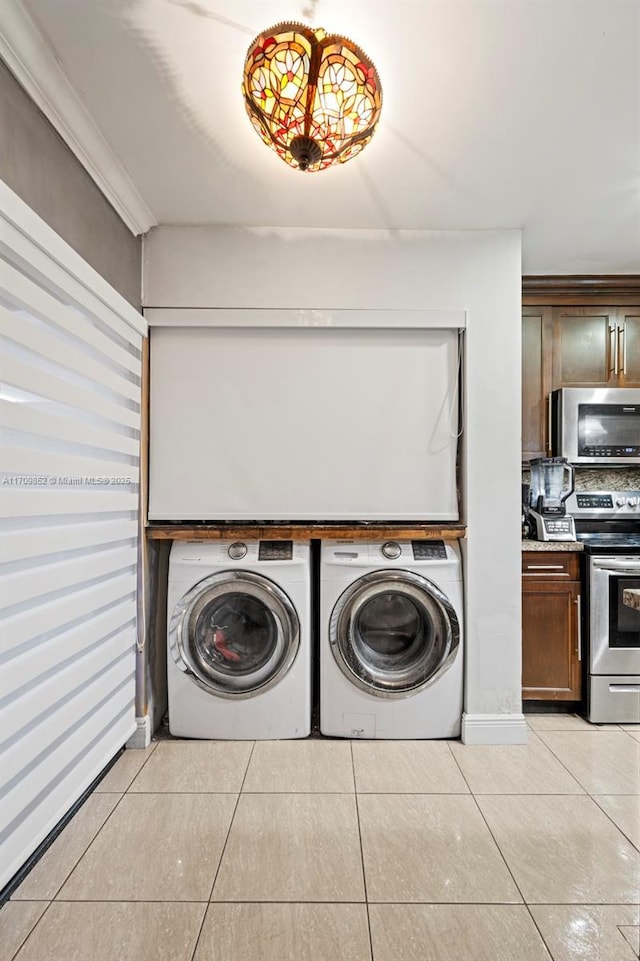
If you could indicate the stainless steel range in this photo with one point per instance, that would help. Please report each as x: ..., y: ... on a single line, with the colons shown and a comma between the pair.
x: 608, y: 524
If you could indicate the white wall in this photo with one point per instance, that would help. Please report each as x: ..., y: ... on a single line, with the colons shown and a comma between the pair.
x: 476, y: 271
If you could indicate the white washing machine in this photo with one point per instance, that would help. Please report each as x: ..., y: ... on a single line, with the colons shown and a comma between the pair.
x: 238, y: 652
x: 391, y: 651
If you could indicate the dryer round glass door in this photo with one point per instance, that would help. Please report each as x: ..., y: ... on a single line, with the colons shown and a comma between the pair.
x: 393, y: 632
x: 235, y: 633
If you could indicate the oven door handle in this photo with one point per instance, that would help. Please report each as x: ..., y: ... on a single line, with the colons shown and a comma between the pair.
x: 617, y: 566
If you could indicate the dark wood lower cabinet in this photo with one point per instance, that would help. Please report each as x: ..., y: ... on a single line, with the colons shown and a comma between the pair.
x: 551, y: 630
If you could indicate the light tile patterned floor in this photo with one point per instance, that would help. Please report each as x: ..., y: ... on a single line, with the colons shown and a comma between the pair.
x: 325, y: 850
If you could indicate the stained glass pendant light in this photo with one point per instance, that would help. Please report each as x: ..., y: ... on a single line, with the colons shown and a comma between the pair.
x: 314, y: 98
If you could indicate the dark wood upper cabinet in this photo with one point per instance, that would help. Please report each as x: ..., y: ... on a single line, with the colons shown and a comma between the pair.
x: 536, y: 380
x: 585, y: 347
x: 596, y: 347
x: 573, y: 337
x: 629, y: 346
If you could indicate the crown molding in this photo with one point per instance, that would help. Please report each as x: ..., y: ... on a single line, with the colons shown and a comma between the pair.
x: 616, y: 289
x: 32, y: 60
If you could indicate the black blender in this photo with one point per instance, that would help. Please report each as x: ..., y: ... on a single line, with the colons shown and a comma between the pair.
x: 552, y: 481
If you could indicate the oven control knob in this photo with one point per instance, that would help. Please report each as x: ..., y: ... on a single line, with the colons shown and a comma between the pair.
x: 632, y: 501
x: 621, y: 501
x: 237, y: 551
x: 391, y: 550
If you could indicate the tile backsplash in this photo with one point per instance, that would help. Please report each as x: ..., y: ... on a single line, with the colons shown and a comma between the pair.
x: 607, y: 479
x: 602, y: 478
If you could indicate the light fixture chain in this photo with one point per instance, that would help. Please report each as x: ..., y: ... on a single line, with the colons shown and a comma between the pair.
x: 310, y: 10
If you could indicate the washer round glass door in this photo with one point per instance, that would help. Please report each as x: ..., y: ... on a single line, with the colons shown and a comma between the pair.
x: 235, y: 633
x: 393, y: 632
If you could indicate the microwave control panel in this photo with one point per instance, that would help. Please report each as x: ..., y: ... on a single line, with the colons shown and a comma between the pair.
x: 627, y: 451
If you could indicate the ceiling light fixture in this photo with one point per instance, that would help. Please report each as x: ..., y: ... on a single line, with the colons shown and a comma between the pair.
x: 312, y: 97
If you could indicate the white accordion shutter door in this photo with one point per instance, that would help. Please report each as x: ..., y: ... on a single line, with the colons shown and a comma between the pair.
x: 70, y: 379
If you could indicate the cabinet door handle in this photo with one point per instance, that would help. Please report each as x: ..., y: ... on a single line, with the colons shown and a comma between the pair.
x: 579, y: 616
x: 613, y: 349
x: 622, y: 347
x: 545, y: 567
x: 549, y: 425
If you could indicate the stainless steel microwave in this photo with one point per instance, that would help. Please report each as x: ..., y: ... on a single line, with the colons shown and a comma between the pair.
x: 591, y: 425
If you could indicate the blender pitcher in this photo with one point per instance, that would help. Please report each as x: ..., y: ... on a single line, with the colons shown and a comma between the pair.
x: 548, y: 491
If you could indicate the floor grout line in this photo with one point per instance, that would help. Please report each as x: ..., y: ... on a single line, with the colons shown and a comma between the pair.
x: 617, y: 826
x: 224, y: 848
x: 364, y: 873
x: 30, y: 932
x: 512, y: 904
x: 143, y: 765
x: 560, y: 761
x: 458, y: 765
x: 89, y: 845
x: 537, y: 927
x: 495, y: 841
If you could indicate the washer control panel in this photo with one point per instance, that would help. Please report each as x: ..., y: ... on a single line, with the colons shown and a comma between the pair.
x: 429, y: 550
x: 275, y: 551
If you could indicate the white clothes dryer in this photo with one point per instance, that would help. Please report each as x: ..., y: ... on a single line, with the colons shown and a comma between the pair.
x: 239, y: 647
x: 391, y: 639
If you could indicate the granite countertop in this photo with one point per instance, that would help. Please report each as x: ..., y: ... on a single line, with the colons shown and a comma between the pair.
x: 631, y: 597
x: 574, y: 546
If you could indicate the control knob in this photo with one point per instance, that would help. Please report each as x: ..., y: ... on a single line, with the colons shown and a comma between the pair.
x: 632, y: 501
x: 391, y: 550
x: 237, y: 551
x: 621, y: 501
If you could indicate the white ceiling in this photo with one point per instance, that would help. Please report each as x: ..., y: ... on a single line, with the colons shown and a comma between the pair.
x: 496, y: 113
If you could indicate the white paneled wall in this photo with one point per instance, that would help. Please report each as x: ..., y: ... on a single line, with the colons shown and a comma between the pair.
x: 70, y: 438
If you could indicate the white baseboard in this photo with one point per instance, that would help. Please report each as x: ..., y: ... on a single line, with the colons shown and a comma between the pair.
x: 141, y: 737
x: 494, y: 729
